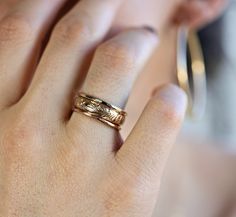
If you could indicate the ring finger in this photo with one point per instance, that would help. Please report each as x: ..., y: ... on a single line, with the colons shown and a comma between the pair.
x: 113, y: 71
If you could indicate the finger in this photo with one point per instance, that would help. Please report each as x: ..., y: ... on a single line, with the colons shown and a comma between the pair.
x: 3, y: 8
x: 197, y: 13
x: 117, y: 64
x: 65, y: 60
x: 206, y: 13
x: 111, y: 76
x: 21, y: 32
x: 144, y: 153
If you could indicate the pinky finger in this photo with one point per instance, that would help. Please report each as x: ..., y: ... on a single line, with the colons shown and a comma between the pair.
x: 146, y: 150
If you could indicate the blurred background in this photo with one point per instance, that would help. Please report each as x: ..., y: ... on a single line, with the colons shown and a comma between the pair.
x: 200, y: 179
x: 219, y: 45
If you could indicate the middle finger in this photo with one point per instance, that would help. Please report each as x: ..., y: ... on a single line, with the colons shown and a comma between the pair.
x: 112, y: 73
x: 66, y: 55
x: 22, y: 28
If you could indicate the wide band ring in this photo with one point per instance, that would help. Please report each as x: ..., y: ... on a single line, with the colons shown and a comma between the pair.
x: 100, y: 110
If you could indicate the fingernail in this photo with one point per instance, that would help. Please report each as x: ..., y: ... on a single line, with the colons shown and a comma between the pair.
x: 173, y: 96
x: 150, y: 29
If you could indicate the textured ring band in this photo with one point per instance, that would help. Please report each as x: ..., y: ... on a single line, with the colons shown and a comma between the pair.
x: 100, y: 110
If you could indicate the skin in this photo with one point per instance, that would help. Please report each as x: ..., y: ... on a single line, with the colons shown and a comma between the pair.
x: 57, y: 163
x: 165, y: 16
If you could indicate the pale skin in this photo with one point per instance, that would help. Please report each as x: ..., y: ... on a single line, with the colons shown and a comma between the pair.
x: 54, y: 162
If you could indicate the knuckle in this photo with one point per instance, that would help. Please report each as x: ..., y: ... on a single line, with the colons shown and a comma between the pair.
x: 72, y: 31
x: 117, y: 55
x: 15, y: 28
x: 21, y: 136
x: 17, y: 141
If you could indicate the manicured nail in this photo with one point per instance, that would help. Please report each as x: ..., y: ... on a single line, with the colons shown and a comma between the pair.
x: 150, y: 29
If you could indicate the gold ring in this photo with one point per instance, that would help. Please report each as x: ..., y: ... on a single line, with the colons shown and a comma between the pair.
x: 100, y: 110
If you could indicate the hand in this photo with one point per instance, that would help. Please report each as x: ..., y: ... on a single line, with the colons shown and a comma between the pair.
x: 57, y: 163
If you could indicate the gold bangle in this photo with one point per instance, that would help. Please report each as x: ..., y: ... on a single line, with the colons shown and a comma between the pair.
x: 196, y: 91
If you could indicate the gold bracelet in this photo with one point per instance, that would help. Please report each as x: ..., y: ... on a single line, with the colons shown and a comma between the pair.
x: 196, y: 91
